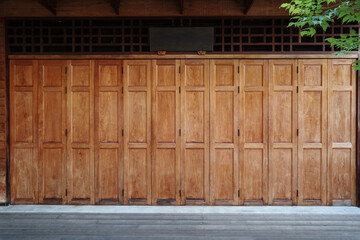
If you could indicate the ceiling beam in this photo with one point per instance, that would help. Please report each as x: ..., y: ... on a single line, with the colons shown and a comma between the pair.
x: 248, y: 5
x: 49, y: 5
x: 115, y: 4
x: 181, y: 2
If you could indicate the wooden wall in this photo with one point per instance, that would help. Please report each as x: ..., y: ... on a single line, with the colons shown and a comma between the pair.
x: 3, y: 144
x: 142, y: 8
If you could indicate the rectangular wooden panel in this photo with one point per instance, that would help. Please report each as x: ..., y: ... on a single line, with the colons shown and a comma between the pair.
x: 108, y: 132
x: 80, y: 130
x: 23, y: 132
x: 195, y: 132
x: 254, y: 94
x: 312, y: 120
x: 342, y: 133
x: 224, y: 125
x: 52, y: 126
x: 137, y: 132
x: 283, y: 132
x: 165, y: 136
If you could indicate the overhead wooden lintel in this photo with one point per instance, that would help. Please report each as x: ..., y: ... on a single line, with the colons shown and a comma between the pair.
x: 115, y: 4
x: 248, y: 5
x: 49, y: 5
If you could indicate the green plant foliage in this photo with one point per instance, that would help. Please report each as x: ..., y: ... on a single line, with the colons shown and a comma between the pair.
x: 308, y: 14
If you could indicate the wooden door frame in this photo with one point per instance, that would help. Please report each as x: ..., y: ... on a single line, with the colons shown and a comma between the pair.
x: 358, y: 137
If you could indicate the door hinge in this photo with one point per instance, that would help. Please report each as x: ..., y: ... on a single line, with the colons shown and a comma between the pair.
x: 65, y: 132
x: 122, y: 70
x: 65, y: 70
x: 238, y: 132
x: 238, y: 89
x: 180, y: 132
x: 179, y: 89
x: 238, y: 69
x: 179, y: 69
x: 180, y: 193
x: 297, y: 132
x: 122, y: 132
x: 122, y: 90
x: 297, y: 193
x: 66, y: 192
x: 297, y: 89
x: 297, y: 69
x: 238, y: 193
x: 65, y: 90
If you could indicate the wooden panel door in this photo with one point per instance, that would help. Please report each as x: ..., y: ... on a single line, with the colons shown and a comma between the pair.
x: 165, y: 135
x: 312, y: 149
x: 108, y: 132
x: 23, y: 132
x: 80, y: 128
x: 224, y: 126
x: 254, y: 90
x: 137, y: 132
x: 52, y: 127
x: 283, y: 133
x: 195, y: 132
x: 342, y: 133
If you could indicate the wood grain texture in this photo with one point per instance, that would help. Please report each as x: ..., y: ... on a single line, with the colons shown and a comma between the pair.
x: 109, y: 145
x: 342, y: 134
x: 4, y: 123
x: 282, y: 132
x: 254, y: 95
x: 51, y: 126
x: 224, y: 125
x: 195, y: 118
x: 23, y: 132
x: 137, y: 132
x: 312, y: 143
x: 80, y: 132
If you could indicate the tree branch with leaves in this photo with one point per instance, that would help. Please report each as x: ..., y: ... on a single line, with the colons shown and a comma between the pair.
x: 309, y: 14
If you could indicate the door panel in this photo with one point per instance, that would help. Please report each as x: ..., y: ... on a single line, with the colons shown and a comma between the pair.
x: 312, y: 132
x: 165, y: 137
x: 342, y: 133
x: 52, y: 138
x: 108, y: 132
x: 195, y: 132
x: 137, y: 132
x: 254, y: 90
x: 23, y: 132
x: 283, y: 133
x: 224, y: 125
x: 80, y: 127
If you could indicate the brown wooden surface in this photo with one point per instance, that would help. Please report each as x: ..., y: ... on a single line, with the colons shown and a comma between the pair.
x: 137, y: 132
x: 312, y: 143
x: 254, y: 87
x: 358, y: 139
x: 142, y: 8
x: 51, y: 126
x: 224, y: 126
x: 282, y: 133
x: 80, y: 132
x: 341, y: 130
x: 165, y: 132
x: 108, y: 132
x: 195, y: 132
x: 23, y: 132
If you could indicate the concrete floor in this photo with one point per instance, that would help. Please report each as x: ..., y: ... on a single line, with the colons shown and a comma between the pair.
x: 181, y: 222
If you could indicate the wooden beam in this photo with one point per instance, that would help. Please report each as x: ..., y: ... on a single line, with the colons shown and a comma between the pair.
x: 115, y: 4
x: 358, y: 139
x: 248, y: 5
x: 49, y: 5
x: 181, y: 2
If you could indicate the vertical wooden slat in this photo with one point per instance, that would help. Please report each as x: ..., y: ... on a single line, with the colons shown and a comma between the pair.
x: 108, y: 132
x: 224, y: 126
x: 254, y: 102
x: 80, y: 132
x: 358, y: 137
x: 24, y: 132
x: 342, y: 134
x: 137, y: 131
x: 283, y: 133
x: 165, y: 135
x: 312, y: 143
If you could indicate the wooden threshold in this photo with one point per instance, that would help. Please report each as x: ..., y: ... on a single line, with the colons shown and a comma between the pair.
x: 186, y: 56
